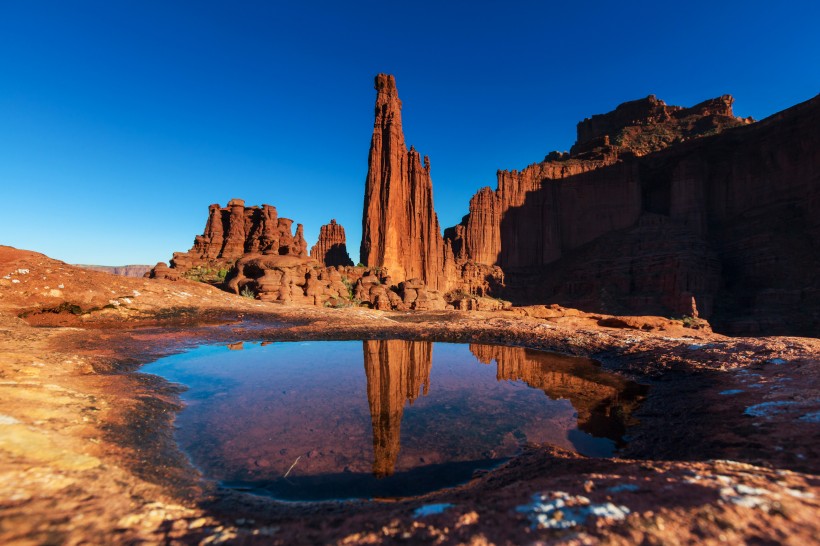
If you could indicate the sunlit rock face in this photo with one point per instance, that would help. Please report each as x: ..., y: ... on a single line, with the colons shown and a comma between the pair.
x: 400, y: 229
x: 331, y: 248
x: 235, y: 231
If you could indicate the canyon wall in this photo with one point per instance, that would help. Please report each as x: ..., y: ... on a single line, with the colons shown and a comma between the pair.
x: 252, y: 251
x: 658, y: 204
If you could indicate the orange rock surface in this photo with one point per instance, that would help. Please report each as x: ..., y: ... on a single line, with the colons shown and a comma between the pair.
x: 331, y: 248
x: 236, y: 230
x: 400, y: 229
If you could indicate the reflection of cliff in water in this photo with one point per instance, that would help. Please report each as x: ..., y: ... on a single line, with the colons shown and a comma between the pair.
x: 603, y: 401
x: 398, y: 371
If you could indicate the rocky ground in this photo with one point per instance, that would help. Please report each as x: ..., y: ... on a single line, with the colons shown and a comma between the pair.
x: 726, y: 449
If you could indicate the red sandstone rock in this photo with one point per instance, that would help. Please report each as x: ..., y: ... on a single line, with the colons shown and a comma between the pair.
x: 331, y: 248
x: 649, y: 125
x: 162, y: 271
x: 400, y: 229
x: 237, y: 230
x: 501, y: 230
x: 659, y: 204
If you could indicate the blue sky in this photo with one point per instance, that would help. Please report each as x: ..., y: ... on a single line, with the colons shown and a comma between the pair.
x: 120, y: 122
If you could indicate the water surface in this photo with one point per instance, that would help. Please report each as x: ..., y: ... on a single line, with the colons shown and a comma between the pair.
x: 321, y: 419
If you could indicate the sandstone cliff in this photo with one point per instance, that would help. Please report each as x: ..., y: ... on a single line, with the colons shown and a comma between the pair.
x: 578, y: 201
x: 331, y: 248
x: 657, y: 204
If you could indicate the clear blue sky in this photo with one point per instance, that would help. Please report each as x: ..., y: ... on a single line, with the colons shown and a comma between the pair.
x: 121, y: 121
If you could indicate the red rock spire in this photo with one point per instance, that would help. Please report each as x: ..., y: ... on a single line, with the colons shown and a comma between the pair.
x: 331, y: 248
x: 400, y: 229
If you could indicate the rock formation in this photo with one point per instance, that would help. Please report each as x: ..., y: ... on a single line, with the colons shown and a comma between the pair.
x: 648, y: 125
x: 237, y: 230
x: 400, y: 229
x: 657, y: 205
x: 331, y: 248
x: 588, y: 204
x: 657, y: 209
x: 255, y: 253
x: 397, y: 372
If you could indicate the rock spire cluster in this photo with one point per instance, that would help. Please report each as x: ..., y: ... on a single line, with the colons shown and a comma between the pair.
x: 236, y: 230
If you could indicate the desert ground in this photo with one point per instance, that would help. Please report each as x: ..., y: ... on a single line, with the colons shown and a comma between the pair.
x: 87, y: 454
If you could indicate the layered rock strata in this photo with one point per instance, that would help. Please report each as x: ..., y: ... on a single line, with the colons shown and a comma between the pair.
x: 657, y: 205
x: 331, y: 248
x: 121, y: 270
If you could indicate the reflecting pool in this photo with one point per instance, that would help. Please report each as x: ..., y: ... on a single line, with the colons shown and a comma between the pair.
x: 385, y: 418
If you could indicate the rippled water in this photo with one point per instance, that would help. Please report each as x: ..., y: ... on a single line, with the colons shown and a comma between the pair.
x: 321, y: 419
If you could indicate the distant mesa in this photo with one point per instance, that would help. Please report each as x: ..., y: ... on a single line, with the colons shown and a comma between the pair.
x: 122, y: 270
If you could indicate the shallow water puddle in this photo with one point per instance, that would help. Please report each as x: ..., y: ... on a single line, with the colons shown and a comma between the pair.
x: 358, y: 419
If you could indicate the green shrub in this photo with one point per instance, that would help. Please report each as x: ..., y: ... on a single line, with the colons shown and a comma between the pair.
x: 248, y: 292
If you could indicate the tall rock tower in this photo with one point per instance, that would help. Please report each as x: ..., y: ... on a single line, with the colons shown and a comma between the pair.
x: 400, y: 229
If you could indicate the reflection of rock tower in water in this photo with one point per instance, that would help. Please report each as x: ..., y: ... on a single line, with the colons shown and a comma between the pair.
x: 396, y: 371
